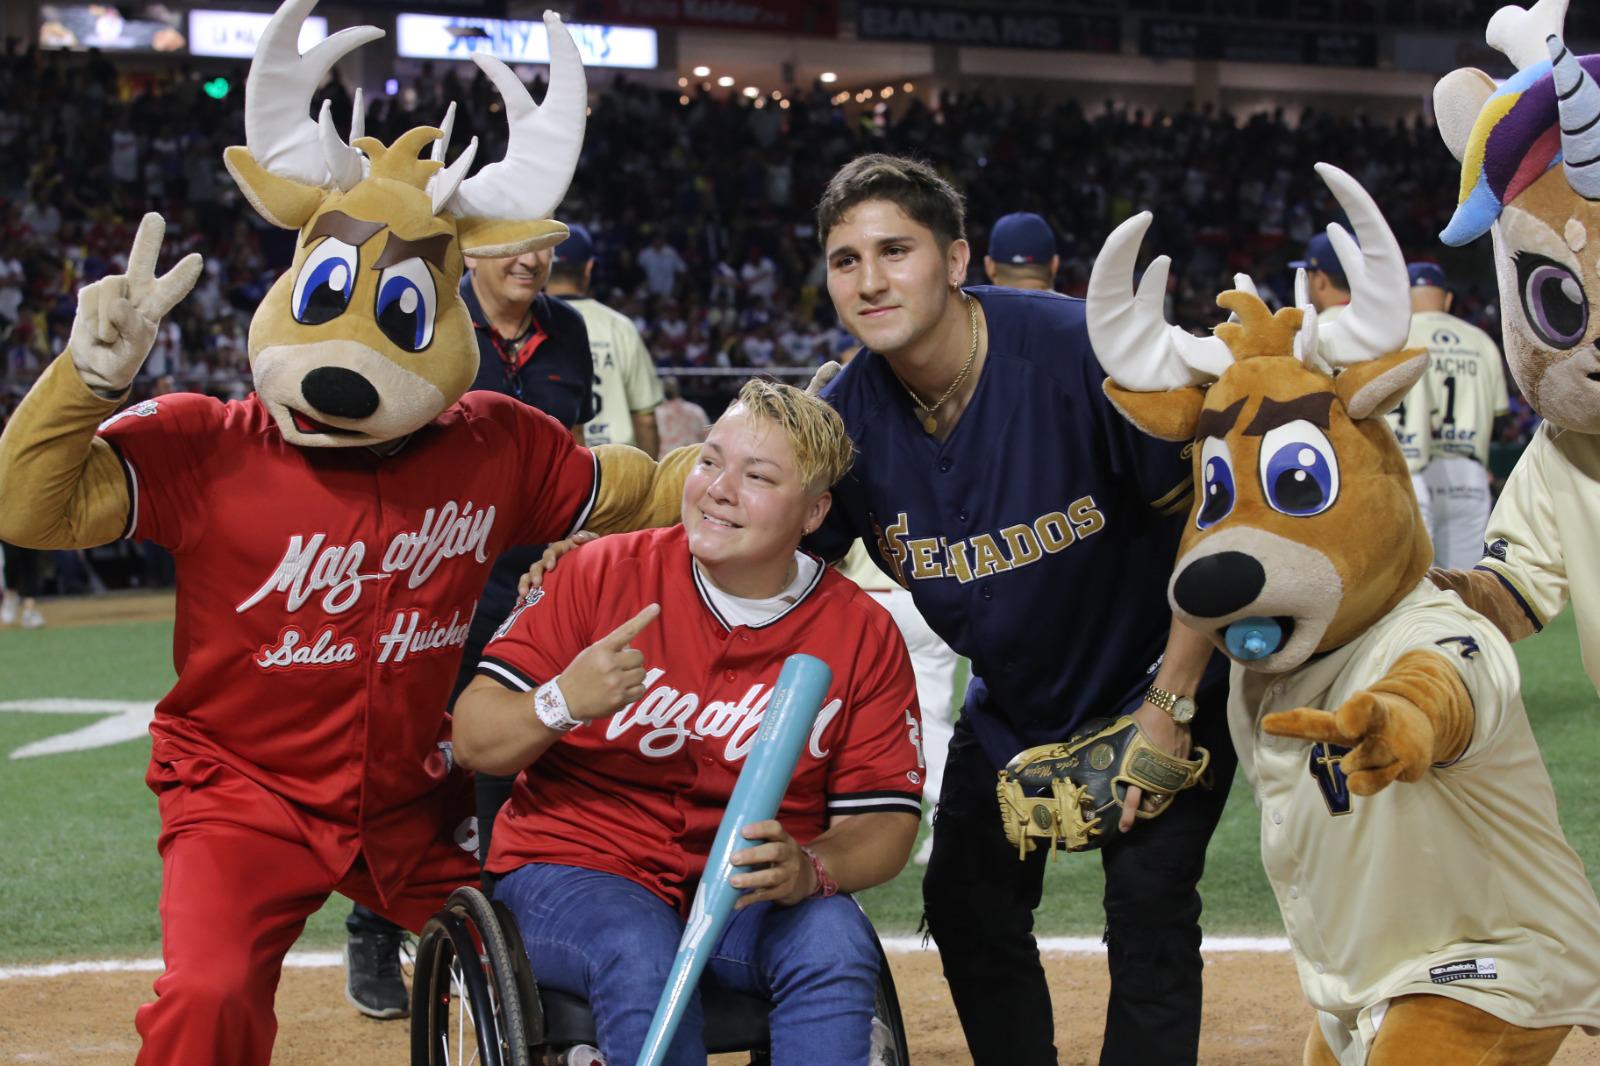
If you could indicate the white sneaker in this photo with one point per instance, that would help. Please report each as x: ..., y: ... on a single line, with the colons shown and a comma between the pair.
x: 8, y: 608
x: 32, y: 619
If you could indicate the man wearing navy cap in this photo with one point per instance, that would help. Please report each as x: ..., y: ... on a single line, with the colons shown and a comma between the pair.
x: 626, y: 389
x: 1468, y: 391
x: 1022, y: 253
x: 1325, y: 278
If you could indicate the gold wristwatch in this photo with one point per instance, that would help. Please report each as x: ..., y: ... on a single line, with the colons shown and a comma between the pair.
x: 1181, y: 708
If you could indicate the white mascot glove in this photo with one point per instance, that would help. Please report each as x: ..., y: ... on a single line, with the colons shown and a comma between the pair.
x: 118, y: 315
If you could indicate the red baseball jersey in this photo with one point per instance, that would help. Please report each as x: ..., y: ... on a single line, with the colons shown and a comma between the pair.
x: 640, y: 794
x: 324, y: 596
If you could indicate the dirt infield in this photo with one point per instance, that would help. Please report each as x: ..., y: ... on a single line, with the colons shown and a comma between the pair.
x: 1253, y: 1017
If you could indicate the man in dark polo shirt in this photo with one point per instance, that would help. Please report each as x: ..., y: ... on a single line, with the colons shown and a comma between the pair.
x: 535, y: 348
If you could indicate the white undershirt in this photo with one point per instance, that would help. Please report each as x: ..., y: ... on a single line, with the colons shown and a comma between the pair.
x: 741, y: 611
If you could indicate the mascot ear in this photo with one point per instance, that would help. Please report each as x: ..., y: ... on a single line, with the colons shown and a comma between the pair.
x: 1377, y: 386
x: 1457, y: 100
x: 492, y: 238
x: 1169, y: 415
x: 281, y: 201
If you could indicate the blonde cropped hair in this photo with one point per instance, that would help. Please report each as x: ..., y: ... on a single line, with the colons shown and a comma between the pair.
x: 822, y: 449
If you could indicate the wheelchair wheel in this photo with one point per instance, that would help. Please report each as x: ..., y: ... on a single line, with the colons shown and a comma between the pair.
x: 466, y: 1007
x: 889, y: 1042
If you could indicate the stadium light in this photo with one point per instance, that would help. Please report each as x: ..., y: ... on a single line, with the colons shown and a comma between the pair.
x: 702, y: 72
x: 784, y: 104
x: 827, y: 77
x: 751, y: 91
x: 888, y: 91
x: 683, y: 83
x: 726, y: 81
x: 683, y: 100
x: 908, y: 87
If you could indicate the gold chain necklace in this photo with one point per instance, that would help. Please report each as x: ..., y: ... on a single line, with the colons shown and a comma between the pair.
x: 930, y: 421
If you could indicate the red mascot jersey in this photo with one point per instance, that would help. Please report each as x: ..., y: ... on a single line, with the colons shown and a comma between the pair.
x: 324, y: 596
x: 640, y: 794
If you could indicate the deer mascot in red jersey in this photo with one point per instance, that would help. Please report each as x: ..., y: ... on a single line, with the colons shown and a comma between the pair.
x: 332, y: 532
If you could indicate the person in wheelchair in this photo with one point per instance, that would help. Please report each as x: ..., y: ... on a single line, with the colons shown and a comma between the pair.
x: 626, y: 692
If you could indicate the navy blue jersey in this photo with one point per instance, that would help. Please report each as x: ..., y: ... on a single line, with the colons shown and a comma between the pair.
x: 556, y: 366
x: 1038, y: 539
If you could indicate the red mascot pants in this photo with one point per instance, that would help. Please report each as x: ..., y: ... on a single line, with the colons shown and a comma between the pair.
x: 239, y: 880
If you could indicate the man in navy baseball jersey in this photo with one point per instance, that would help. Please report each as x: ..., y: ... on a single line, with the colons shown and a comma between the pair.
x: 1036, y: 532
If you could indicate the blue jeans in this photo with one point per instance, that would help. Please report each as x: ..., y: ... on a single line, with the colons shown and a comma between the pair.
x: 611, y: 941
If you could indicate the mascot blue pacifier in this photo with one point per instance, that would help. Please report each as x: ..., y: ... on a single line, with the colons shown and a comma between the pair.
x: 1250, y: 639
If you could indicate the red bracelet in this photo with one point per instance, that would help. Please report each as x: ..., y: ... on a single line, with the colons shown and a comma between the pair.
x: 826, y: 886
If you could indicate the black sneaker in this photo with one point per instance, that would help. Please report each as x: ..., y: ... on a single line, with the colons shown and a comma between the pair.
x: 372, y: 981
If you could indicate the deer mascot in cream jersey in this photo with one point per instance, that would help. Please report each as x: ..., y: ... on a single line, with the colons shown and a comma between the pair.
x: 1408, y: 826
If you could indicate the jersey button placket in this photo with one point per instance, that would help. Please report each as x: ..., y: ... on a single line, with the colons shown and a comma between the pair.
x: 945, y: 464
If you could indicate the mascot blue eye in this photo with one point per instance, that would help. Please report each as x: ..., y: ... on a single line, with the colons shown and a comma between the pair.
x: 322, y: 289
x: 1216, y: 483
x: 1299, y: 472
x: 406, y: 303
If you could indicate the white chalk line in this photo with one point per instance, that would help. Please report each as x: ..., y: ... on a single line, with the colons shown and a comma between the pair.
x: 894, y: 945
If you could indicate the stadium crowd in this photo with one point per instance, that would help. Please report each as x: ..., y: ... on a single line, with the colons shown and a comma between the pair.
x: 700, y: 204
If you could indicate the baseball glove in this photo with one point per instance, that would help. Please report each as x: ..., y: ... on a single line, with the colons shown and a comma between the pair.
x: 1071, y: 793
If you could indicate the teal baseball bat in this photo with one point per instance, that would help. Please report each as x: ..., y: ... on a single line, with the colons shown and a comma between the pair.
x: 802, y: 686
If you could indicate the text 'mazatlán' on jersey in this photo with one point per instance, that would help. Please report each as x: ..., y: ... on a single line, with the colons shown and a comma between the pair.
x: 641, y: 793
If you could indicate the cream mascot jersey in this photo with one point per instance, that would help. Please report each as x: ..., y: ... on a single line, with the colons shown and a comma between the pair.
x: 1494, y: 909
x: 640, y: 794
x: 1540, y: 537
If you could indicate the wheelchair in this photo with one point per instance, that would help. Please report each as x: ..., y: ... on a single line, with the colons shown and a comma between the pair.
x: 474, y: 999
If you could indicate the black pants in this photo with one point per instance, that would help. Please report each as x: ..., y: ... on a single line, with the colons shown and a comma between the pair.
x: 22, y: 570
x: 979, y: 901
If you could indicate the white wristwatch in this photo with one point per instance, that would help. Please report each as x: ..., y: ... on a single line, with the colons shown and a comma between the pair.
x: 1181, y: 708
x: 551, y: 707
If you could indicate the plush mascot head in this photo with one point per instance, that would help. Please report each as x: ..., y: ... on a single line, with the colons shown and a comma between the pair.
x: 366, y: 338
x: 1530, y: 175
x: 1305, y: 530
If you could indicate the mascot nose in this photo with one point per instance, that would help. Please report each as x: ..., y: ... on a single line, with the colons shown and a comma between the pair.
x: 342, y: 393
x: 1215, y: 585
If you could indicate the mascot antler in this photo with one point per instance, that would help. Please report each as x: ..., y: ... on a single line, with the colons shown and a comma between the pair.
x: 1130, y: 328
x: 277, y: 99
x: 529, y: 182
x: 545, y: 141
x: 1141, y: 351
